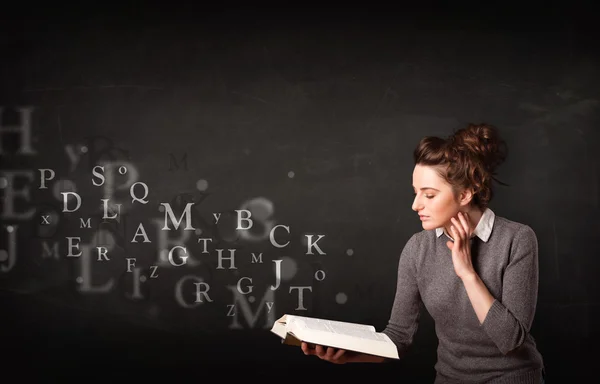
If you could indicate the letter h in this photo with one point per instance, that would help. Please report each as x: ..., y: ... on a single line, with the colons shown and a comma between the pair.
x: 24, y: 128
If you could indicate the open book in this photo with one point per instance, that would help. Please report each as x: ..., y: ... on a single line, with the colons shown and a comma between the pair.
x: 293, y: 330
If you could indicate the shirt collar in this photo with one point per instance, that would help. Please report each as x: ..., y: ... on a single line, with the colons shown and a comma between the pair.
x: 483, y: 229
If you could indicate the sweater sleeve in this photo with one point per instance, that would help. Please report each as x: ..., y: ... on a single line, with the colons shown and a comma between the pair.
x: 405, y: 313
x: 509, y: 319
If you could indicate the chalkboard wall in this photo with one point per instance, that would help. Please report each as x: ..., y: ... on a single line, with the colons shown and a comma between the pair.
x: 307, y: 120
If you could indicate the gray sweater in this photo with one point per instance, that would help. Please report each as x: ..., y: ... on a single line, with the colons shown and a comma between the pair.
x: 501, y: 350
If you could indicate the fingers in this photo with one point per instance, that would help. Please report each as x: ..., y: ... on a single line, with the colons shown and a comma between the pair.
x: 320, y: 351
x: 461, y: 226
x: 307, y: 349
x: 463, y: 217
x: 330, y: 354
x: 338, y: 355
x: 455, y: 235
x: 457, y: 228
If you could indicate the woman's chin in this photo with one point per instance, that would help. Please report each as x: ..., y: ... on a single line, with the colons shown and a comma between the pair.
x: 428, y: 225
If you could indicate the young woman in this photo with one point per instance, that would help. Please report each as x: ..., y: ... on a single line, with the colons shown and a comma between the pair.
x: 476, y: 273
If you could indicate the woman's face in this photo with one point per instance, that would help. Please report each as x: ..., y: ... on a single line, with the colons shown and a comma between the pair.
x: 434, y: 200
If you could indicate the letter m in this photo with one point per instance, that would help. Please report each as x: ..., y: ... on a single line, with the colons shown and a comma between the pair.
x: 173, y: 164
x: 244, y: 308
x: 47, y: 252
x: 170, y: 215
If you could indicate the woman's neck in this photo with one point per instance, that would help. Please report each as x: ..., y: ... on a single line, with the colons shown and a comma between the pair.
x: 474, y: 214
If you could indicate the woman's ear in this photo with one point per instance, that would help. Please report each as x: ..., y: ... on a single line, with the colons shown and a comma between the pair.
x: 466, y: 196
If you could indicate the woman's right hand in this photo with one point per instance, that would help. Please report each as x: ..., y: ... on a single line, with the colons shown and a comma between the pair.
x: 333, y: 355
x: 339, y: 356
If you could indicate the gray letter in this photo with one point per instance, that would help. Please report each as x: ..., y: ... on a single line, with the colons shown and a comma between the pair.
x: 140, y: 228
x: 300, y: 297
x: 200, y: 292
x: 47, y: 252
x: 71, y: 246
x: 10, y: 193
x: 310, y: 245
x: 98, y: 175
x: 173, y: 162
x: 24, y: 129
x: 204, y: 240
x: 137, y: 292
x: 169, y: 214
x: 102, y: 253
x: 11, y: 255
x: 74, y: 156
x: 130, y: 263
x: 231, y: 258
x: 86, y: 274
x: 183, y: 258
x: 179, y: 291
x: 239, y: 288
x: 43, y: 178
x: 134, y: 198
x: 240, y: 218
x: 107, y: 208
x: 65, y: 201
x: 252, y: 318
x: 277, y: 274
x: 272, y: 236
x: 164, y: 242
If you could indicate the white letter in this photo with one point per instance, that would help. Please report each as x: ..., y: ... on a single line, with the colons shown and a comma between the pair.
x: 102, y: 253
x: 98, y: 175
x: 130, y: 263
x: 183, y: 258
x: 300, y: 297
x: 240, y: 218
x: 310, y: 245
x: 169, y: 214
x: 43, y: 179
x: 140, y: 228
x: 239, y: 288
x: 71, y: 246
x: 230, y: 258
x: 107, y: 208
x: 272, y: 236
x: 277, y: 274
x: 65, y: 201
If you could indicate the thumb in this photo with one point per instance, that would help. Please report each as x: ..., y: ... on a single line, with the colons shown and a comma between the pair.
x: 449, y: 244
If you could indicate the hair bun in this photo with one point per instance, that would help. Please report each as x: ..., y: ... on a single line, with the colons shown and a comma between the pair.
x: 483, y: 141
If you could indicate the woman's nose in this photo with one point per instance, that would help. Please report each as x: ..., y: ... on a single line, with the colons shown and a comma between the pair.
x: 416, y: 204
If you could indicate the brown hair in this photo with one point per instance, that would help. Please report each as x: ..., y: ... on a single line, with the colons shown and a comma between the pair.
x: 466, y: 159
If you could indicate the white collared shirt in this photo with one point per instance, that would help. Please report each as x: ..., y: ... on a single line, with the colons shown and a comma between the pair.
x: 483, y: 229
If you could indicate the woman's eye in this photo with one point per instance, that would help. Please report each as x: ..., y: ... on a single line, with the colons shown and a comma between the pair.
x: 429, y: 196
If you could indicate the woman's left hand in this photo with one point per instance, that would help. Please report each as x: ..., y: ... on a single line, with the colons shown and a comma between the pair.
x: 461, y: 247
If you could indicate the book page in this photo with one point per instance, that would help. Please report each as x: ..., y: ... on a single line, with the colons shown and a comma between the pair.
x: 337, y: 327
x: 313, y: 320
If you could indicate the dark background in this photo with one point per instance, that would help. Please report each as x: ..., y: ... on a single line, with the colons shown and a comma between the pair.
x: 240, y: 97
